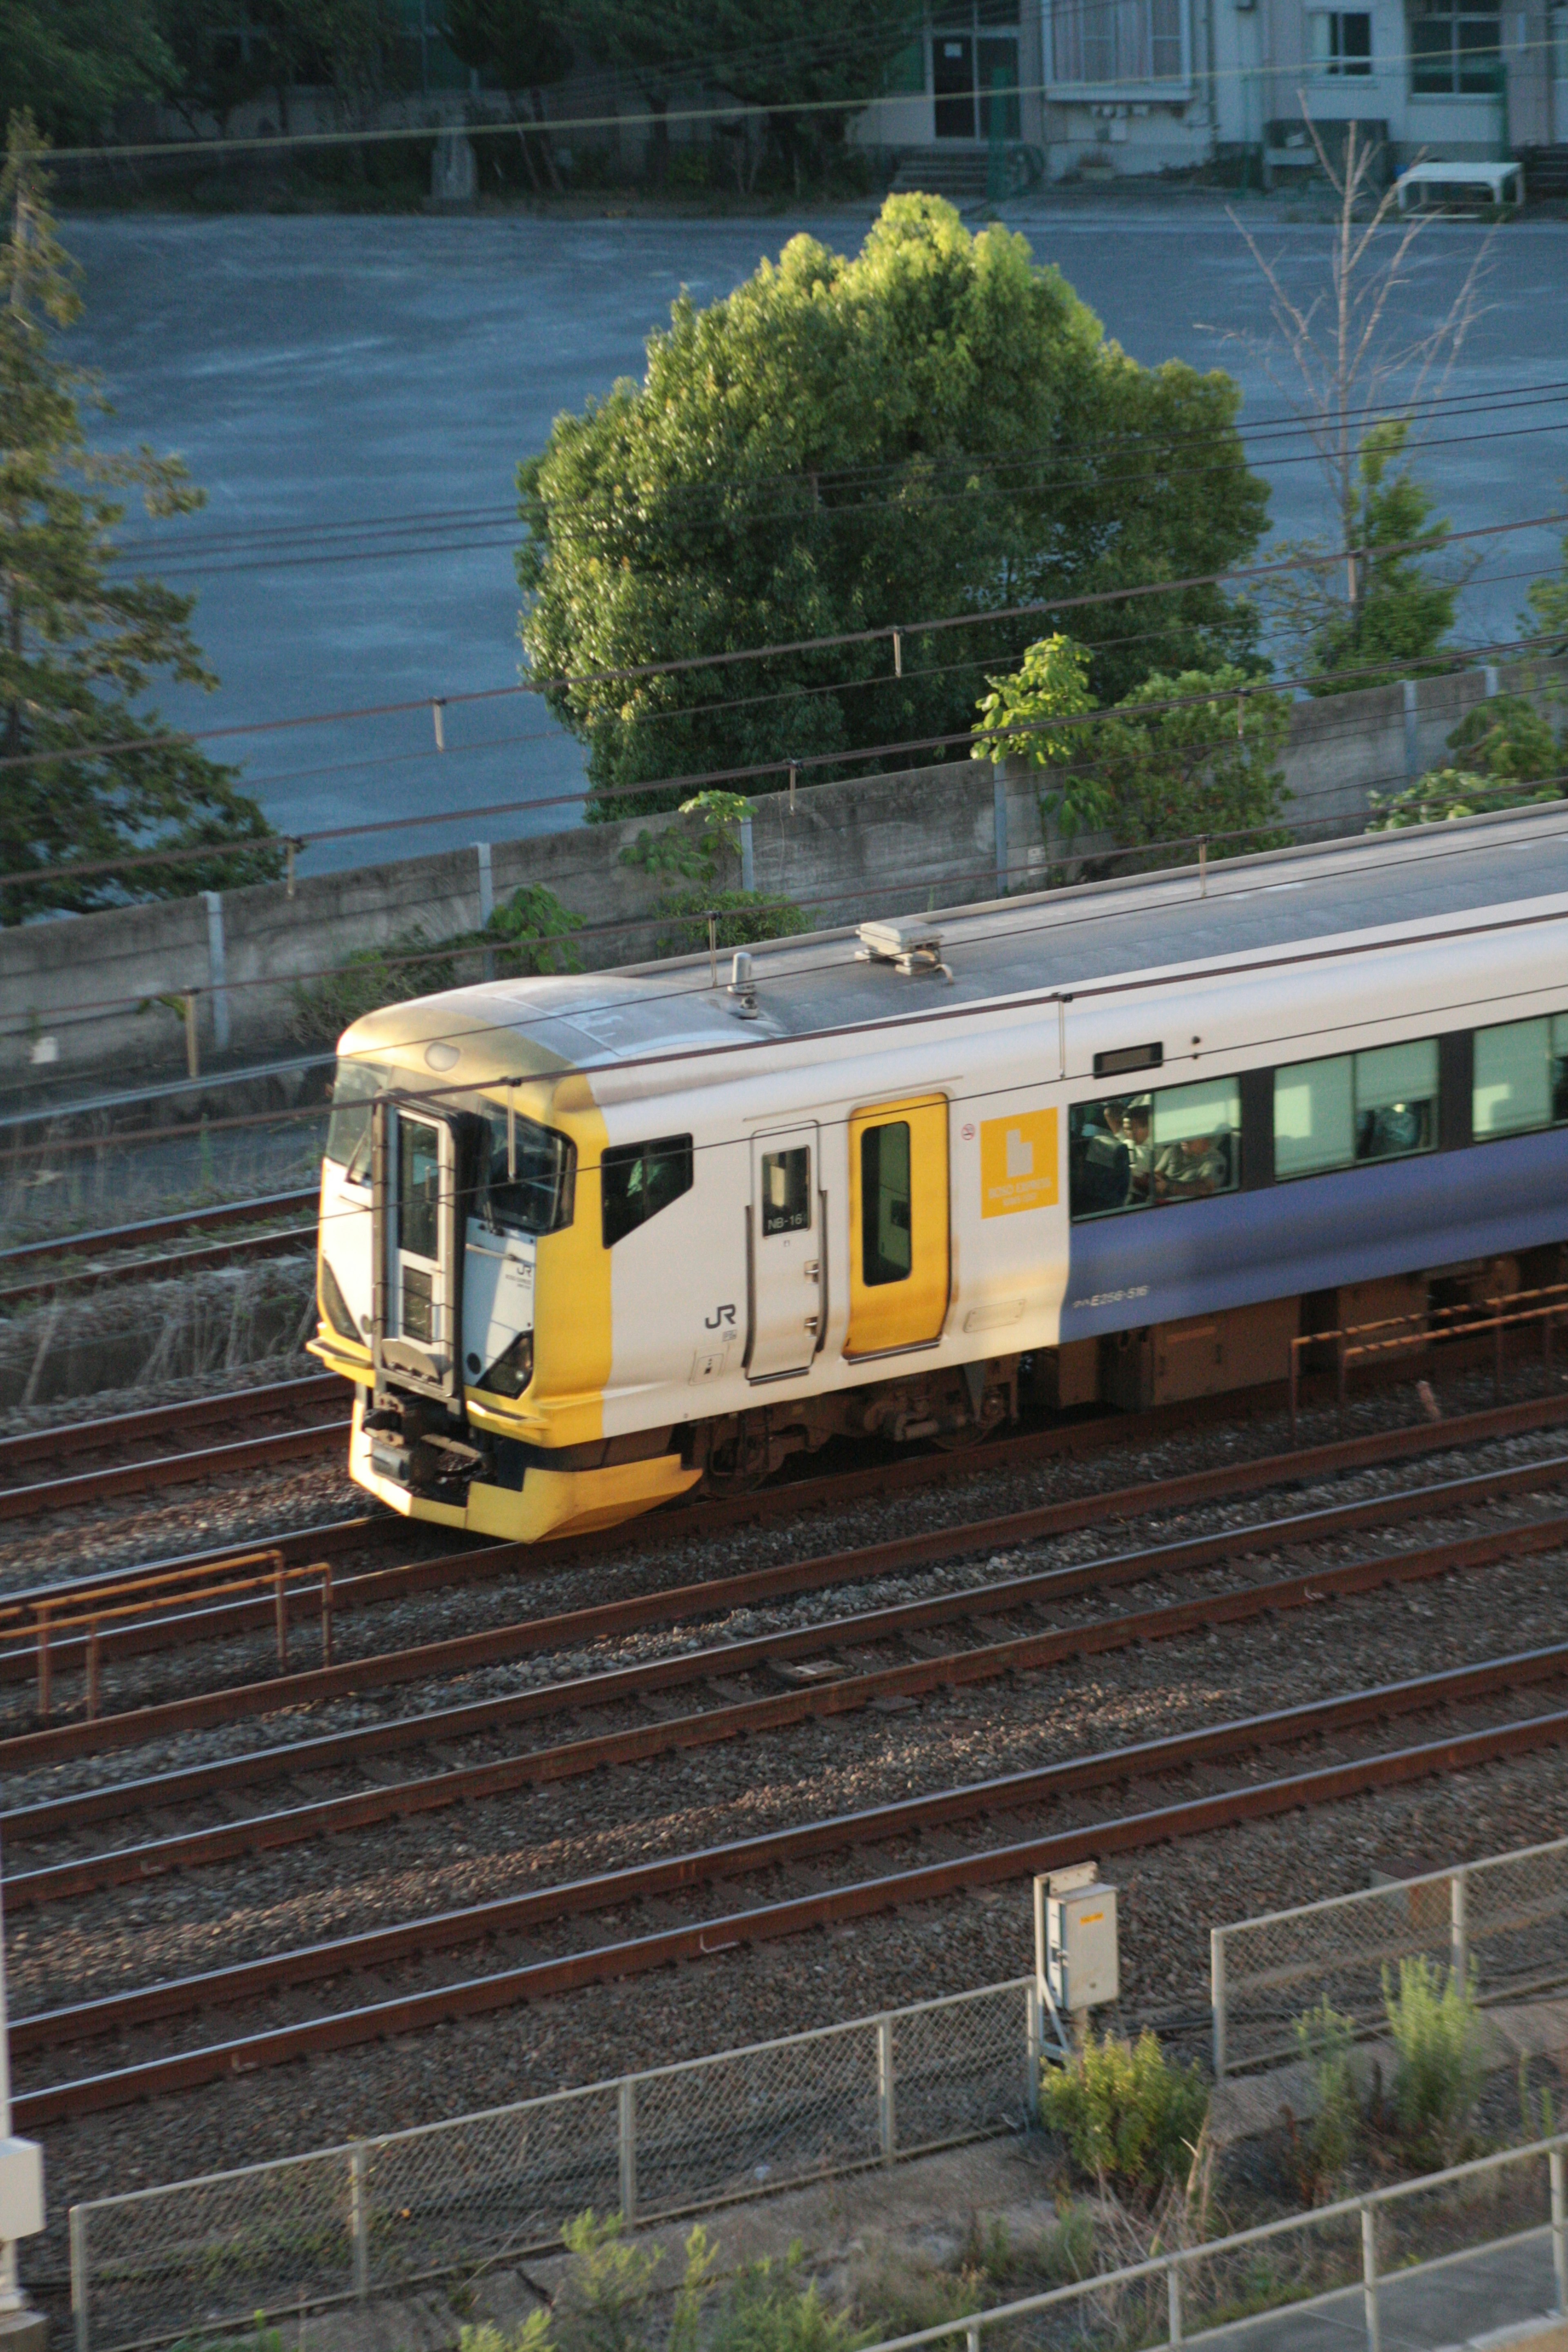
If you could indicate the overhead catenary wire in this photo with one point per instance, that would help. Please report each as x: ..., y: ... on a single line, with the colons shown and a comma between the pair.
x: 435, y: 1092
x: 277, y: 546
x: 1428, y: 544
x: 200, y: 852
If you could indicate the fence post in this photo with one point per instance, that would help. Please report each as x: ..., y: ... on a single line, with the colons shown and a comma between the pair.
x: 1034, y: 2054
x: 1174, y: 2300
x: 626, y: 2111
x: 887, y: 2111
x: 217, y: 969
x: 358, y: 2219
x: 999, y: 808
x: 1217, y: 1998
x: 1412, y: 737
x: 1559, y: 2228
x: 1459, y: 1928
x: 748, y: 857
x: 1369, y: 2275
x: 77, y: 2219
x: 971, y: 2336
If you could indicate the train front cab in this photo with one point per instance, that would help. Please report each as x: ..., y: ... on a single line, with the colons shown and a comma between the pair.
x: 471, y: 1409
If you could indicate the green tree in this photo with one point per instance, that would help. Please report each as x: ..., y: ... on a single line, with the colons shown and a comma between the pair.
x: 1544, y: 620
x: 1015, y: 722
x: 1508, y: 757
x: 1192, y: 753
x: 933, y: 428
x: 79, y: 648
x: 811, y: 63
x: 69, y: 62
x: 523, y: 47
x: 1403, y: 608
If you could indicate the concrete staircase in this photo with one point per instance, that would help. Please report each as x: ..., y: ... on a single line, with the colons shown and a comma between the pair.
x: 1545, y: 171
x: 959, y: 174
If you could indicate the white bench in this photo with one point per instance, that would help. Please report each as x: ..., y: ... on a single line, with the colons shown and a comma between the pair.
x: 1492, y: 177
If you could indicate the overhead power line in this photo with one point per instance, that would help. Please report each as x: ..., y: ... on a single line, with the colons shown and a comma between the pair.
x: 885, y: 632
x: 199, y: 853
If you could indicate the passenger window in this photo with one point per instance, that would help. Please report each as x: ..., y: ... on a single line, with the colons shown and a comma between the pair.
x: 786, y: 1191
x: 1314, y: 1117
x: 1380, y: 1105
x: 534, y: 1195
x: 1196, y: 1141
x: 1141, y: 1151
x: 641, y: 1179
x: 887, y: 1238
x: 1522, y: 1076
x: 1396, y: 1100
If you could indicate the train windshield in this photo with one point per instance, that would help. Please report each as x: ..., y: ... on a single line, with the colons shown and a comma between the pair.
x: 355, y: 1088
x: 526, y: 1186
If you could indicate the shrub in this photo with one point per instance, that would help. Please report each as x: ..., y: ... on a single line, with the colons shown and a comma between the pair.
x: 767, y: 2309
x: 533, y: 2335
x: 1130, y: 2117
x: 1508, y: 758
x: 605, y: 2296
x: 1326, y: 2040
x: 409, y: 965
x: 745, y: 917
x: 1437, y: 2033
x: 537, y: 929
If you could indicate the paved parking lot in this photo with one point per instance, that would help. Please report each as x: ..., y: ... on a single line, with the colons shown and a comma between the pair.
x: 327, y: 374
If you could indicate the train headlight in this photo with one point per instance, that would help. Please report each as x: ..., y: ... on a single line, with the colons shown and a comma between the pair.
x: 512, y: 1369
x: 333, y: 1304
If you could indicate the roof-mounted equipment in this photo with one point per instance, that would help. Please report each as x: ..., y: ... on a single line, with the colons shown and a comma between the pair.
x: 742, y: 986
x: 911, y: 947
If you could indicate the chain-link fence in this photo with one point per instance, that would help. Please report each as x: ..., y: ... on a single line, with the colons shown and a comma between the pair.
x: 1503, y: 1922
x: 1428, y: 2262
x: 376, y: 2214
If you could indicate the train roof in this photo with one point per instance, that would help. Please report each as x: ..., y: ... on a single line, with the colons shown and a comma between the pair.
x: 1054, y: 941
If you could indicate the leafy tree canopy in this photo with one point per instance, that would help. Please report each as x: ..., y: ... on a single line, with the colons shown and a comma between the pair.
x: 1403, y: 608
x: 69, y: 61
x: 1193, y: 754
x: 79, y: 647
x: 935, y: 428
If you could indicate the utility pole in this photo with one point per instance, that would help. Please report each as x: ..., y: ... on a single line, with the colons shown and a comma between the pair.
x: 22, y: 2329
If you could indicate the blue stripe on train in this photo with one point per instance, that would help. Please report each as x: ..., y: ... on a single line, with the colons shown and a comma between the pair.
x: 1152, y: 1265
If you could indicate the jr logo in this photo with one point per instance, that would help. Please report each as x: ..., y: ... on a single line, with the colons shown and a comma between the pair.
x: 716, y: 1322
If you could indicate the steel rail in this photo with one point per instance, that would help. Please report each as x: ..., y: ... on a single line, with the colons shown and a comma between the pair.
x: 173, y: 1470
x: 845, y: 1694
x: 294, y: 1243
x: 186, y: 2070
x: 166, y: 1419
x: 713, y: 1515
x: 161, y: 1229
x: 640, y: 1881
x: 636, y: 1613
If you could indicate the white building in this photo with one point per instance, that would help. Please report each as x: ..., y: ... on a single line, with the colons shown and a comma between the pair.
x: 1114, y: 87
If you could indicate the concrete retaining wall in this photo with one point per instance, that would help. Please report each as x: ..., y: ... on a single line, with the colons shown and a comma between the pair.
x: 79, y: 998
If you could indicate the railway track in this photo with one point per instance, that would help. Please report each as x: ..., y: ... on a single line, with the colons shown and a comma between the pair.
x: 478, y: 1564
x: 135, y: 2011
x: 836, y: 1688
x: 676, y: 1605
x: 165, y: 1426
x: 94, y: 1260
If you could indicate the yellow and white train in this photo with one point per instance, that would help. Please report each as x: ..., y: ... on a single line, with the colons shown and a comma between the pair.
x: 589, y: 1242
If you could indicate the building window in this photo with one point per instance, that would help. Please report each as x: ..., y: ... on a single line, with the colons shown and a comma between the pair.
x: 975, y: 70
x: 1342, y: 43
x: 1455, y: 47
x: 1380, y: 1105
x: 1114, y: 45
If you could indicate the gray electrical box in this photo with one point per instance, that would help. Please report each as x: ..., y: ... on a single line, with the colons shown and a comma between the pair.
x: 1075, y: 1939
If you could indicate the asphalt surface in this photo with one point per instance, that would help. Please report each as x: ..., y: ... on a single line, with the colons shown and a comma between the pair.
x: 326, y: 375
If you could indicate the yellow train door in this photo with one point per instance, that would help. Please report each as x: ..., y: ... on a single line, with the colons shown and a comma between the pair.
x: 897, y: 1225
